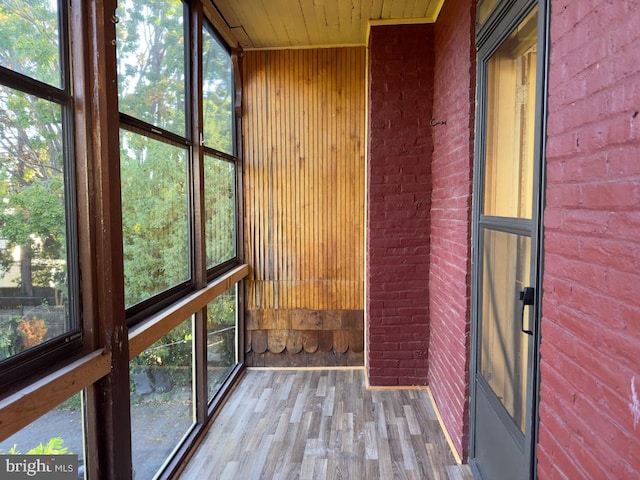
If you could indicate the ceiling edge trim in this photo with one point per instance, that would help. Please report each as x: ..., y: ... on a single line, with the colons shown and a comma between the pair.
x: 396, y: 21
x: 400, y: 21
x: 305, y: 47
x: 437, y: 10
x: 220, y: 24
x: 404, y: 21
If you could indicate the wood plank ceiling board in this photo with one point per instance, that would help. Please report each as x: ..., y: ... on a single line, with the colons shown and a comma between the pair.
x: 237, y: 20
x: 278, y: 24
x: 284, y: 22
x: 310, y: 19
x: 375, y: 9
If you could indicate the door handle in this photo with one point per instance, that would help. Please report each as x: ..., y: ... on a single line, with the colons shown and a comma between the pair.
x: 527, y: 297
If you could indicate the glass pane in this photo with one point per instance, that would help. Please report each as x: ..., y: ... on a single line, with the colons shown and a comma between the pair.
x: 220, y: 208
x: 58, y: 432
x: 151, y: 62
x: 217, y: 94
x: 154, y: 216
x: 33, y: 232
x: 504, y: 348
x: 29, y: 39
x: 511, y: 100
x: 485, y: 7
x: 161, y: 399
x: 222, y: 339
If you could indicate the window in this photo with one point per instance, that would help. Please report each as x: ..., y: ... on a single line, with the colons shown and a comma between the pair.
x: 222, y: 339
x: 220, y: 205
x: 218, y: 141
x: 217, y: 94
x: 58, y: 432
x: 155, y: 154
x: 154, y: 215
x: 158, y: 155
x: 162, y: 397
x: 38, y: 252
x: 66, y: 168
x: 485, y: 8
x: 151, y: 63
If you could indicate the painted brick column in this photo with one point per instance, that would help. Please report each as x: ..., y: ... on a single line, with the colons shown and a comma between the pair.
x: 398, y: 203
x: 590, y: 351
x: 452, y: 173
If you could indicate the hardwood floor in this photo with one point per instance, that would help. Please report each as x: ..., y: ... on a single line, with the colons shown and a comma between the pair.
x: 323, y: 424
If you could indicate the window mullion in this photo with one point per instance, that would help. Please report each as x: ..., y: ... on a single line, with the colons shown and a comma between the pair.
x: 199, y: 238
x: 108, y: 403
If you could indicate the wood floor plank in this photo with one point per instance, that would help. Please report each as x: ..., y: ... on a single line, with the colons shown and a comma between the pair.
x: 370, y: 445
x: 230, y: 471
x: 408, y: 454
x: 384, y: 458
x: 323, y: 424
x: 322, y: 386
x: 327, y: 406
x: 458, y: 472
x: 309, y: 461
x: 286, y: 384
x: 283, y: 425
x: 412, y: 421
x: 256, y: 462
x: 321, y: 469
x: 381, y: 425
x: 347, y: 438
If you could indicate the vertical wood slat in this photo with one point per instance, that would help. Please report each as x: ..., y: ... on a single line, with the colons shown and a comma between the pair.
x: 303, y: 139
x: 304, y: 147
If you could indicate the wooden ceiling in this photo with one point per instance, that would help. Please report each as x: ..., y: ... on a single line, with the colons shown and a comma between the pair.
x: 266, y: 24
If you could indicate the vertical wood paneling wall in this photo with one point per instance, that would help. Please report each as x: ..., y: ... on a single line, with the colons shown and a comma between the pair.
x: 304, y: 140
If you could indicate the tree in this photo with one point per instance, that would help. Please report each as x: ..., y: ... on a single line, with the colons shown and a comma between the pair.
x: 32, y: 217
x: 154, y: 216
x: 155, y: 174
x: 151, y: 62
x: 217, y: 95
x: 151, y: 74
x: 218, y: 134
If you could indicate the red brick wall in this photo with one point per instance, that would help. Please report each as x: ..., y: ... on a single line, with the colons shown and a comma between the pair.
x: 449, y: 276
x: 398, y: 208
x: 590, y: 352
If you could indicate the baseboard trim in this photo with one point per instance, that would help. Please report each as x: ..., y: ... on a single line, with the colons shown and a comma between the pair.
x: 452, y: 447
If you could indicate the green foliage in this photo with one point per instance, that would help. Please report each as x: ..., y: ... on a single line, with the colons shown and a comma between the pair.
x: 29, y: 39
x: 154, y: 216
x: 10, y: 339
x: 55, y: 446
x: 219, y: 210
x: 174, y: 349
x: 151, y: 65
x: 31, y: 147
x: 151, y: 60
x: 222, y: 311
x: 217, y: 94
x: 72, y: 403
x: 36, y: 210
x: 35, y: 220
x: 221, y: 314
x: 155, y: 175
